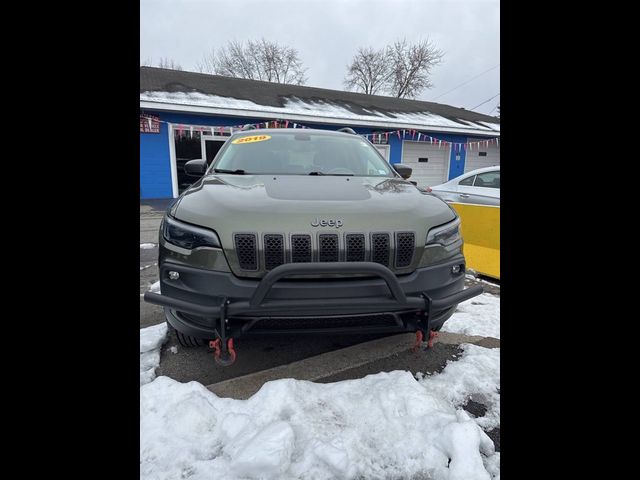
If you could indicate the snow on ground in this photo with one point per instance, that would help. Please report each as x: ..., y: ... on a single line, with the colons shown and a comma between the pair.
x: 387, y: 425
x: 155, y: 287
x: 151, y: 339
x: 147, y: 246
x: 476, y: 373
x: 478, y: 316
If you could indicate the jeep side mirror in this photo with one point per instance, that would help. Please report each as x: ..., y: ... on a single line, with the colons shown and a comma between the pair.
x: 403, y: 170
x: 195, y: 168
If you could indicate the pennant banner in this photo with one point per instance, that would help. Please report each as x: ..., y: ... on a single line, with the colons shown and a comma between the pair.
x: 150, y: 123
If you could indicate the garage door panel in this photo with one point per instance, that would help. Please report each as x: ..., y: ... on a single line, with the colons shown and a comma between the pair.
x: 429, y: 173
x: 473, y: 160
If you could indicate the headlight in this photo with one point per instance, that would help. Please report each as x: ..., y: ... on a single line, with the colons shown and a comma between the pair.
x: 445, y: 234
x: 188, y: 236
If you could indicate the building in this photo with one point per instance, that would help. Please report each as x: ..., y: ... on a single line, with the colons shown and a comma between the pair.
x: 186, y: 115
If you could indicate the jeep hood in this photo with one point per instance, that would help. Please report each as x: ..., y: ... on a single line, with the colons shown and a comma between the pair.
x: 259, y: 204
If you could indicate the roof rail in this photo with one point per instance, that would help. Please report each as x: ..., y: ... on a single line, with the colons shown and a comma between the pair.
x: 248, y: 126
x: 348, y: 130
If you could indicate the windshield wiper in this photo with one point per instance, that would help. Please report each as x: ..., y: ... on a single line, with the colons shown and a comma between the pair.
x: 234, y: 172
x: 331, y: 174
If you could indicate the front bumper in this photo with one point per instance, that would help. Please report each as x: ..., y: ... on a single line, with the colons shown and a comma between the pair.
x: 209, y: 299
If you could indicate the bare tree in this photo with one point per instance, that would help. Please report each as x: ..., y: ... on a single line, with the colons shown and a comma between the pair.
x: 411, y: 66
x: 234, y: 60
x: 369, y: 71
x: 402, y: 70
x: 169, y: 63
x: 208, y: 62
x: 256, y: 60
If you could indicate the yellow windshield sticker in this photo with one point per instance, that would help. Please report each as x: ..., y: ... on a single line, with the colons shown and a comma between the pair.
x: 255, y: 138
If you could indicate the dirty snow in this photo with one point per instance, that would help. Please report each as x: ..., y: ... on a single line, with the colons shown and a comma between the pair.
x: 387, y: 425
x: 155, y: 287
x: 476, y: 278
x: 296, y: 106
x: 477, y: 316
x: 151, y: 340
x: 476, y: 373
x: 147, y: 246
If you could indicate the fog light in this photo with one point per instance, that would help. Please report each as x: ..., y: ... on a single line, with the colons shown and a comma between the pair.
x: 455, y: 269
x: 174, y: 275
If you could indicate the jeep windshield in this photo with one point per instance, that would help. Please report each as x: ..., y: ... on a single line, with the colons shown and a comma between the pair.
x: 301, y: 153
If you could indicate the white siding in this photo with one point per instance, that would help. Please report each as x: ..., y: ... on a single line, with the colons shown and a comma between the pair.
x: 427, y: 174
x: 384, y: 151
x: 473, y: 159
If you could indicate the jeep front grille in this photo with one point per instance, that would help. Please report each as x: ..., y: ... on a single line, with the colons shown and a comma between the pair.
x: 328, y: 248
x: 405, y: 245
x: 355, y: 247
x: 392, y: 249
x: 246, y: 251
x: 273, y: 251
x: 300, y: 248
x: 380, y: 248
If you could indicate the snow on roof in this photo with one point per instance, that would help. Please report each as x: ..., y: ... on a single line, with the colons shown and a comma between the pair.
x: 214, y: 94
x: 320, y: 109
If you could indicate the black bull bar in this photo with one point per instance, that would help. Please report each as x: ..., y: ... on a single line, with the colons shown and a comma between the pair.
x: 260, y: 306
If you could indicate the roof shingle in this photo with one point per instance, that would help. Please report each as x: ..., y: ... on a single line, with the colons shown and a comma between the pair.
x: 158, y: 80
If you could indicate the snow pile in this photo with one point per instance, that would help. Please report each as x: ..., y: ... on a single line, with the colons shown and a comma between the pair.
x: 155, y: 287
x: 476, y: 374
x: 147, y: 246
x: 151, y: 339
x: 387, y: 425
x: 478, y: 316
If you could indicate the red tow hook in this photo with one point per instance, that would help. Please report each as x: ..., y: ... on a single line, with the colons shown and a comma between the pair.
x: 432, y: 336
x: 420, y: 338
x: 230, y: 355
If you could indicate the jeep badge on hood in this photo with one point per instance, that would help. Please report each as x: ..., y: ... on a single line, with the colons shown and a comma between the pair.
x: 326, y: 222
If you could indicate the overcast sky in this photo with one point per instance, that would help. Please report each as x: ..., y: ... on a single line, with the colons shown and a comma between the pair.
x: 327, y: 33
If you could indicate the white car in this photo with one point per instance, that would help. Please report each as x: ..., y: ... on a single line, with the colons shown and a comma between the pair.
x: 481, y: 186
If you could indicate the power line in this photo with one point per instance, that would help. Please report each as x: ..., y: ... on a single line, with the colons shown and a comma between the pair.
x: 464, y: 83
x: 488, y: 100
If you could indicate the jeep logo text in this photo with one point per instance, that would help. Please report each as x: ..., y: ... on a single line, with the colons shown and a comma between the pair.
x: 326, y: 222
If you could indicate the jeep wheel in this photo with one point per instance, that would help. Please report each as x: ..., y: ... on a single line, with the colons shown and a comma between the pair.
x: 189, y: 341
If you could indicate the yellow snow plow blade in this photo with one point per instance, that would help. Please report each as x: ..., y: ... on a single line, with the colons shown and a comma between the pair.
x: 481, y: 234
